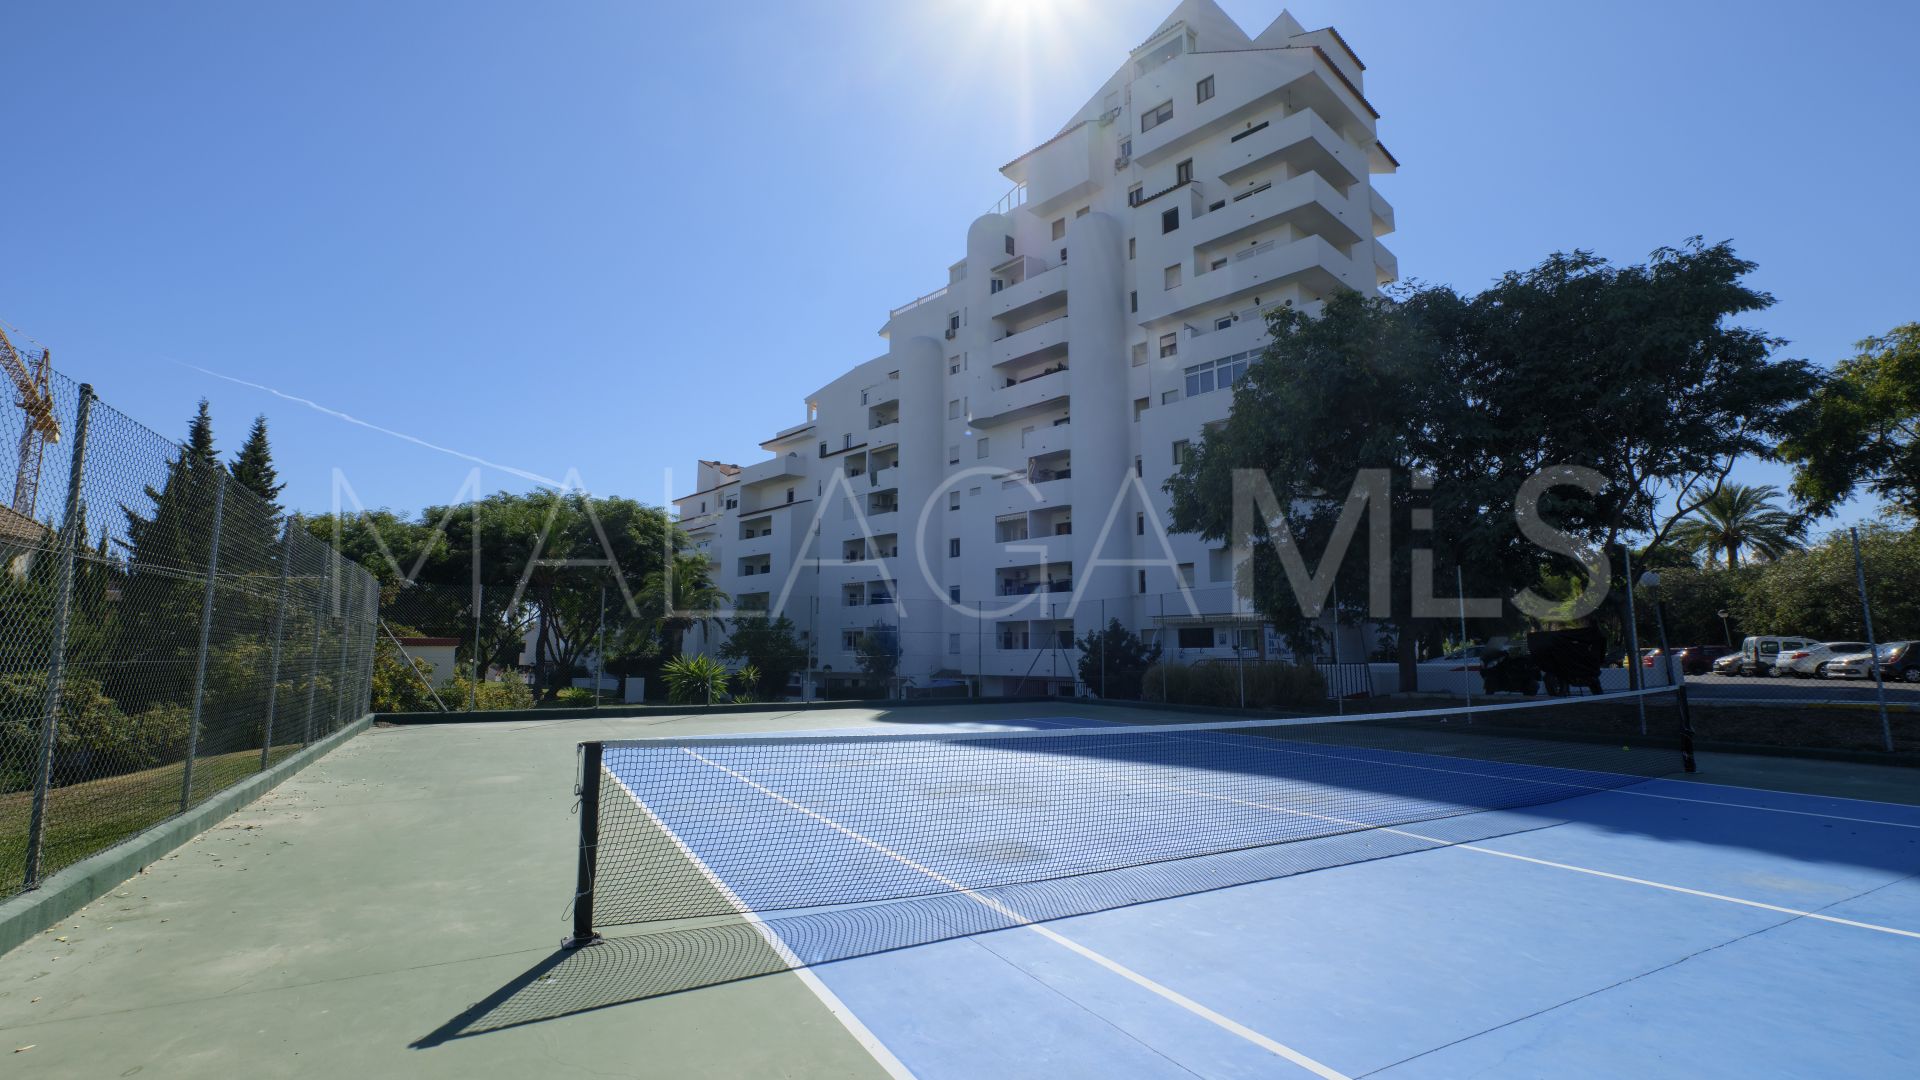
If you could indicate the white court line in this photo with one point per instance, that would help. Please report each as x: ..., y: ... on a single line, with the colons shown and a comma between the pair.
x: 1539, y: 862
x: 870, y: 1042
x: 1226, y: 1023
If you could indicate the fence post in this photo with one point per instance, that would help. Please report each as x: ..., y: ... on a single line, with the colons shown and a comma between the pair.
x: 1873, y: 647
x: 340, y: 688
x: 313, y: 672
x: 206, y: 634
x: 1633, y: 641
x: 590, y: 763
x: 56, y: 658
x: 479, y: 664
x: 279, y: 627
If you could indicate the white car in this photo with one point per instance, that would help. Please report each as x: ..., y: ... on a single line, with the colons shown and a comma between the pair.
x: 1851, y: 666
x: 1810, y: 661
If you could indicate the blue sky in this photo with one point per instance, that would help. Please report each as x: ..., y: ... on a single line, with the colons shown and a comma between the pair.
x: 558, y: 237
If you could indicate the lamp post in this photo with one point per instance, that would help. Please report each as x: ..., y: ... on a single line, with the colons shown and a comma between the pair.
x: 1650, y: 581
x: 1724, y: 628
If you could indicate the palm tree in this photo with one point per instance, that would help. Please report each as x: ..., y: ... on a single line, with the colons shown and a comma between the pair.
x: 681, y: 596
x: 1741, y: 517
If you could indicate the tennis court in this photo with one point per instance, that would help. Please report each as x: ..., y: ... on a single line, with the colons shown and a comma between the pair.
x: 1071, y: 899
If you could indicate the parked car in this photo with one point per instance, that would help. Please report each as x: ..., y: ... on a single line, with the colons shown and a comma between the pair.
x: 1690, y: 659
x: 1900, y: 661
x: 1728, y: 664
x: 1758, y: 654
x: 1811, y: 662
x: 1851, y: 666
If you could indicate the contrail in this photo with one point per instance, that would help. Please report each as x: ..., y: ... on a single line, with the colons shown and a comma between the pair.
x: 338, y: 415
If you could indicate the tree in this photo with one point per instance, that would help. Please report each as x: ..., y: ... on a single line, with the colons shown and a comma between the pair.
x: 879, y: 655
x: 1640, y: 373
x: 769, y: 646
x: 1814, y: 592
x: 1113, y: 661
x: 253, y: 466
x: 680, y: 596
x: 199, y: 443
x: 1738, y: 516
x: 1862, y: 428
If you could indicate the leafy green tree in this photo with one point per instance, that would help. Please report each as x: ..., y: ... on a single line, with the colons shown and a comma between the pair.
x: 1863, y: 428
x: 770, y: 647
x: 1114, y: 660
x: 879, y: 656
x: 253, y: 466
x: 1814, y: 592
x: 680, y: 596
x: 1740, y: 516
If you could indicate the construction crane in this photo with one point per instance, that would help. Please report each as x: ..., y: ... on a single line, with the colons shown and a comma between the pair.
x: 35, y: 398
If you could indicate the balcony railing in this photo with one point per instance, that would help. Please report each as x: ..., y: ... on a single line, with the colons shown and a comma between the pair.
x: 1027, y: 588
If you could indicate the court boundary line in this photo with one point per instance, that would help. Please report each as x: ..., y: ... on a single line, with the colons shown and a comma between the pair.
x: 882, y: 1056
x: 1164, y: 992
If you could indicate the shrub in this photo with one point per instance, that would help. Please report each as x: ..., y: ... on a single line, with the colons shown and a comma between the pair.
x: 575, y: 697
x: 94, y: 738
x: 694, y: 680
x: 1269, y: 684
x: 510, y: 691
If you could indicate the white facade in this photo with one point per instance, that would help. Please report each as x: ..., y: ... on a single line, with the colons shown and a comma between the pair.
x: 991, y: 483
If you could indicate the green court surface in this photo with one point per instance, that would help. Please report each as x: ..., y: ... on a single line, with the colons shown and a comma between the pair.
x: 389, y: 911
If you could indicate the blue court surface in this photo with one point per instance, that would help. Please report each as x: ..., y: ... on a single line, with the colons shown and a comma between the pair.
x: 1648, y: 928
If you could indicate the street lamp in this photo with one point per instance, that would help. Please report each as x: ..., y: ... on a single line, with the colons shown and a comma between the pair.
x: 1724, y: 628
x: 1650, y: 581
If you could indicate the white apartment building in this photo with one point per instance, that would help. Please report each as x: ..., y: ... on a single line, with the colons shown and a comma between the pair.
x: 990, y: 484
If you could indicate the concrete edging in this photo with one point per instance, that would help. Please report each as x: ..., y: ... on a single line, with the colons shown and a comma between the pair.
x: 616, y: 712
x: 98, y: 874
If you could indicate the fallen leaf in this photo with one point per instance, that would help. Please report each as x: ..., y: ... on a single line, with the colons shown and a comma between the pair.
x: 24, y: 1049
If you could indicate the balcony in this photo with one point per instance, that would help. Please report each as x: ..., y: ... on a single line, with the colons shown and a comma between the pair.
x: 1010, y: 402
x: 1050, y: 439
x: 1017, y: 494
x: 882, y: 435
x: 781, y: 467
x: 1382, y: 213
x: 1306, y: 202
x: 1049, y: 551
x: 1385, y: 263
x: 1303, y: 141
x: 1045, y: 341
x: 1063, y: 170
x: 1036, y: 292
x: 1311, y: 263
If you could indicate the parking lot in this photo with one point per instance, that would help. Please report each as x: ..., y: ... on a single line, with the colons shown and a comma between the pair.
x: 1708, y: 687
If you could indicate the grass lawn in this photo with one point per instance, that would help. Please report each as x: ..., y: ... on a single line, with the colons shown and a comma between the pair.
x: 95, y: 815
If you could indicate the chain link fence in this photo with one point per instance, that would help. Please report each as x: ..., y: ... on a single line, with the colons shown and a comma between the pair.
x: 164, y: 632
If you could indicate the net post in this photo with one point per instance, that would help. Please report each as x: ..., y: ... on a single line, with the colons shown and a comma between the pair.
x: 590, y: 756
x: 1679, y: 687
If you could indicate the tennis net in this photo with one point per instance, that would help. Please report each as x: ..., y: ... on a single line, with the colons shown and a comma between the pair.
x: 787, y: 826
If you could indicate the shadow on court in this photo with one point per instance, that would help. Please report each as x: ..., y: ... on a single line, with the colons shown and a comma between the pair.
x: 639, y: 966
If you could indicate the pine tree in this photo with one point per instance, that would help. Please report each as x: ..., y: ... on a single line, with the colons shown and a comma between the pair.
x: 253, y: 466
x: 200, y: 435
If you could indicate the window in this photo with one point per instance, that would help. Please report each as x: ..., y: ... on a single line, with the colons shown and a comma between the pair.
x: 1156, y: 116
x: 1196, y: 637
x: 733, y: 501
x: 1168, y: 397
x: 953, y: 409
x: 1220, y: 564
x: 1133, y: 195
x: 1217, y: 204
x: 1186, y: 574
x: 1204, y: 91
x: 1219, y: 374
x: 1009, y: 245
x: 1059, y: 228
x: 953, y: 500
x: 953, y: 547
x: 994, y: 285
x: 1183, y: 172
x: 1172, y: 275
x: 980, y: 448
x: 1180, y: 450
x: 1133, y: 302
x: 789, y: 494
x: 953, y: 454
x: 1223, y: 322
x: 823, y: 448
x: 1216, y: 264
x: 1139, y: 406
x: 1139, y: 524
x: 953, y: 593
x: 953, y: 366
x: 1138, y: 469
x: 1143, y: 581
x: 1139, y: 354
x: 953, y: 643
x: 972, y: 492
x: 1083, y: 211
x: 1169, y: 344
x: 1126, y: 147
x: 953, y: 321
x: 1169, y: 219
x: 850, y: 639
